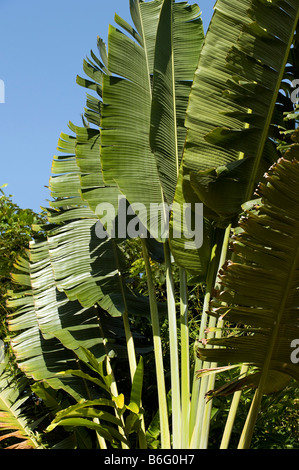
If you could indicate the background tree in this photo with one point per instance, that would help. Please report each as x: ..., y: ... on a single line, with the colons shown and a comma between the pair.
x: 17, y: 228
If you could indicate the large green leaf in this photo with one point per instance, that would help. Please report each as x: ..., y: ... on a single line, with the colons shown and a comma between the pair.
x: 142, y: 130
x: 259, y: 289
x: 104, y: 414
x: 231, y: 107
x: 125, y: 121
x: 236, y: 85
x: 178, y: 42
x: 86, y: 267
x: 170, y: 61
x: 171, y: 66
x: 47, y: 328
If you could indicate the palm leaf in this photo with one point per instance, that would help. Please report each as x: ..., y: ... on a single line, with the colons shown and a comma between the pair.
x: 178, y: 42
x: 259, y: 288
x: 96, y: 414
x: 96, y: 273
x: 171, y: 64
x: 231, y: 119
x: 41, y: 318
x: 48, y: 328
x: 132, y: 106
x: 231, y: 108
x: 13, y: 397
x: 125, y: 149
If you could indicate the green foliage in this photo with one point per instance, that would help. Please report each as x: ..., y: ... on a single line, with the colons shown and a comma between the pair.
x: 277, y: 425
x: 15, y: 231
x: 114, y: 427
x: 18, y: 430
x: 277, y: 422
x: 17, y: 228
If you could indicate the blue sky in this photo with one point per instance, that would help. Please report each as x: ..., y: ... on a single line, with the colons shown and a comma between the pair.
x: 42, y: 48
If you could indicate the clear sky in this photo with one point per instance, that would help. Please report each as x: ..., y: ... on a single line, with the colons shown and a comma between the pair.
x: 42, y: 48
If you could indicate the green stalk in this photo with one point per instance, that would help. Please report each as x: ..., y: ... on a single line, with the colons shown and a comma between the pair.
x: 204, y: 435
x: 128, y: 333
x: 246, y: 436
x: 198, y: 362
x: 115, y: 393
x: 198, y: 417
x: 232, y: 414
x: 210, y: 386
x: 164, y: 425
x: 101, y: 440
x: 174, y: 356
x: 206, y: 420
x: 185, y: 360
x: 200, y: 386
x: 113, y: 387
x: 130, y: 347
x: 133, y: 367
x: 203, y: 413
x: 200, y: 436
